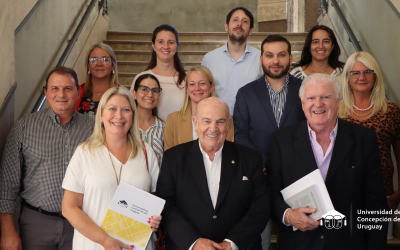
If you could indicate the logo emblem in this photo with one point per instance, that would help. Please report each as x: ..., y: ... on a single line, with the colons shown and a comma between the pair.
x: 333, y: 219
x: 123, y: 204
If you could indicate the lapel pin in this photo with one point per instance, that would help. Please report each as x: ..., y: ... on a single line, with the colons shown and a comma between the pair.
x: 353, y: 167
x: 233, y: 162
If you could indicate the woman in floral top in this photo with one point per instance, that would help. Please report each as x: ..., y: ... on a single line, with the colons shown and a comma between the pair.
x: 102, y: 74
x: 364, y: 102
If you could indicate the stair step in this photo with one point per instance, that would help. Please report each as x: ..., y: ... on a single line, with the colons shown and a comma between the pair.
x: 139, y: 66
x: 203, y: 36
x: 141, y: 55
x: 185, y: 46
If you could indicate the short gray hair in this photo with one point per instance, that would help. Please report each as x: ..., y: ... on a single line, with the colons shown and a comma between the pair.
x: 320, y: 78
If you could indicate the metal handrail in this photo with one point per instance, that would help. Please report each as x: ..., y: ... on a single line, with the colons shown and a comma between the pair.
x: 346, y: 25
x: 67, y: 50
x: 8, y: 98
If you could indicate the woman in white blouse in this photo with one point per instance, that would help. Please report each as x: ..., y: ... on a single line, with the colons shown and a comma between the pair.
x: 320, y: 54
x: 112, y: 154
x: 168, y: 68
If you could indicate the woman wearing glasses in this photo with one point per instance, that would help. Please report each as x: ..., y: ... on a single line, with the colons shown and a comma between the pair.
x: 167, y: 67
x: 179, y: 127
x: 364, y: 102
x: 147, y: 93
x: 101, y: 74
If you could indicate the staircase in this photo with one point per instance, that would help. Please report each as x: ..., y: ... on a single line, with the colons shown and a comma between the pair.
x: 133, y: 49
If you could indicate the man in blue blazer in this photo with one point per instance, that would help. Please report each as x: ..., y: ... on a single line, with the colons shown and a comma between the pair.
x: 271, y: 102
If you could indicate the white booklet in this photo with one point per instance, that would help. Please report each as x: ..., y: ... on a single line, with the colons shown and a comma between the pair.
x: 309, y: 191
x: 128, y: 215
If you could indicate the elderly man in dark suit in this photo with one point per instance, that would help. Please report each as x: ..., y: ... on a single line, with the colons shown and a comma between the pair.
x: 347, y: 155
x: 216, y: 195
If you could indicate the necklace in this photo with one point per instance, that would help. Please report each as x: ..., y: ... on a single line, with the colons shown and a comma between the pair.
x: 363, y: 109
x: 362, y: 114
x: 120, y: 170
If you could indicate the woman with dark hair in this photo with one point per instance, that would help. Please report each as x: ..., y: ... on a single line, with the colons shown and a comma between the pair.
x: 168, y: 68
x: 320, y: 54
x: 147, y: 92
x: 101, y: 74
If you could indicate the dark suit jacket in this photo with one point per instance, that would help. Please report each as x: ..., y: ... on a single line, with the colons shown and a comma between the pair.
x: 242, y: 208
x: 354, y: 181
x: 253, y: 116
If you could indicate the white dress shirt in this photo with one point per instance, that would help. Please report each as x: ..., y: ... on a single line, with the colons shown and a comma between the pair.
x: 213, y: 173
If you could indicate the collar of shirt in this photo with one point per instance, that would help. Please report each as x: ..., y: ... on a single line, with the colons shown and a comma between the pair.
x: 332, y: 135
x: 54, y: 117
x: 157, y: 123
x: 247, y: 50
x: 323, y: 160
x: 213, y: 173
x: 284, y: 86
x: 205, y: 155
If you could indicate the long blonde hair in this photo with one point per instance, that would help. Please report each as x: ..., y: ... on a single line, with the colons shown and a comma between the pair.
x: 98, y: 138
x: 378, y: 97
x: 187, y: 102
x: 113, y: 80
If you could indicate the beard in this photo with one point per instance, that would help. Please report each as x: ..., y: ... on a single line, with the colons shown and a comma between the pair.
x: 273, y: 75
x: 238, y: 40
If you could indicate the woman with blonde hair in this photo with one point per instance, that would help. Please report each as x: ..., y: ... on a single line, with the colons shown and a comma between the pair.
x: 101, y: 74
x: 179, y: 128
x: 113, y: 153
x: 364, y: 102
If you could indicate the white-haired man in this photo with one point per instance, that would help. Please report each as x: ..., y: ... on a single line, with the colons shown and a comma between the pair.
x: 347, y: 155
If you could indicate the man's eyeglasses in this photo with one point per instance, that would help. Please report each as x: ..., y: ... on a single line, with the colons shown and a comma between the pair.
x: 356, y: 74
x: 104, y: 60
x: 146, y: 90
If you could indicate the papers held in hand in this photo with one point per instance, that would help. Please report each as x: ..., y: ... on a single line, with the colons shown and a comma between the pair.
x: 309, y: 191
x: 128, y: 213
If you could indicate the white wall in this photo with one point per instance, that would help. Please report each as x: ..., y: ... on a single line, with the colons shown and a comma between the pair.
x: 40, y: 44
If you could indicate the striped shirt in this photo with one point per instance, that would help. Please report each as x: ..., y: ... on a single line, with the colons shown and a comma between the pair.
x: 155, y: 137
x: 36, y: 156
x: 278, y: 100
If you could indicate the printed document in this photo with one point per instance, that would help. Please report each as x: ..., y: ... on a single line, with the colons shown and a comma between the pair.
x: 309, y: 191
x: 128, y: 215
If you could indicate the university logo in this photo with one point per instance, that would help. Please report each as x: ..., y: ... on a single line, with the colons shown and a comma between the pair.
x: 123, y: 204
x: 333, y: 219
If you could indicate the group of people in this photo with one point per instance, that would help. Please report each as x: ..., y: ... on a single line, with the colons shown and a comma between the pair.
x: 204, y: 140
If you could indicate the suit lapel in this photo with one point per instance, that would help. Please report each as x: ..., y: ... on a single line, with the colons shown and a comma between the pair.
x: 263, y: 96
x: 303, y: 146
x: 290, y: 99
x: 199, y: 173
x: 343, y: 144
x: 228, y: 165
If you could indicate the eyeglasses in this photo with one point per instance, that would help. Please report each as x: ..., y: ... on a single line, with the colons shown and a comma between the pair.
x: 356, y: 74
x: 104, y: 60
x: 146, y: 90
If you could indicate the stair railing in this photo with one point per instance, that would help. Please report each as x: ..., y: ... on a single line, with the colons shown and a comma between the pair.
x: 346, y: 26
x: 69, y: 47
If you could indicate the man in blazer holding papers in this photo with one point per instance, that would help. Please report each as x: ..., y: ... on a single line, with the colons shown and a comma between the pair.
x: 215, y: 191
x: 347, y: 155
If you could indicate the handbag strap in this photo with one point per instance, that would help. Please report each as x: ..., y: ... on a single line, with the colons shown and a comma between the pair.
x: 145, y: 154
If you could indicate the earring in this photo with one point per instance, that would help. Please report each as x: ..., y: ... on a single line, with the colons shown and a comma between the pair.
x: 113, y: 72
x: 88, y: 72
